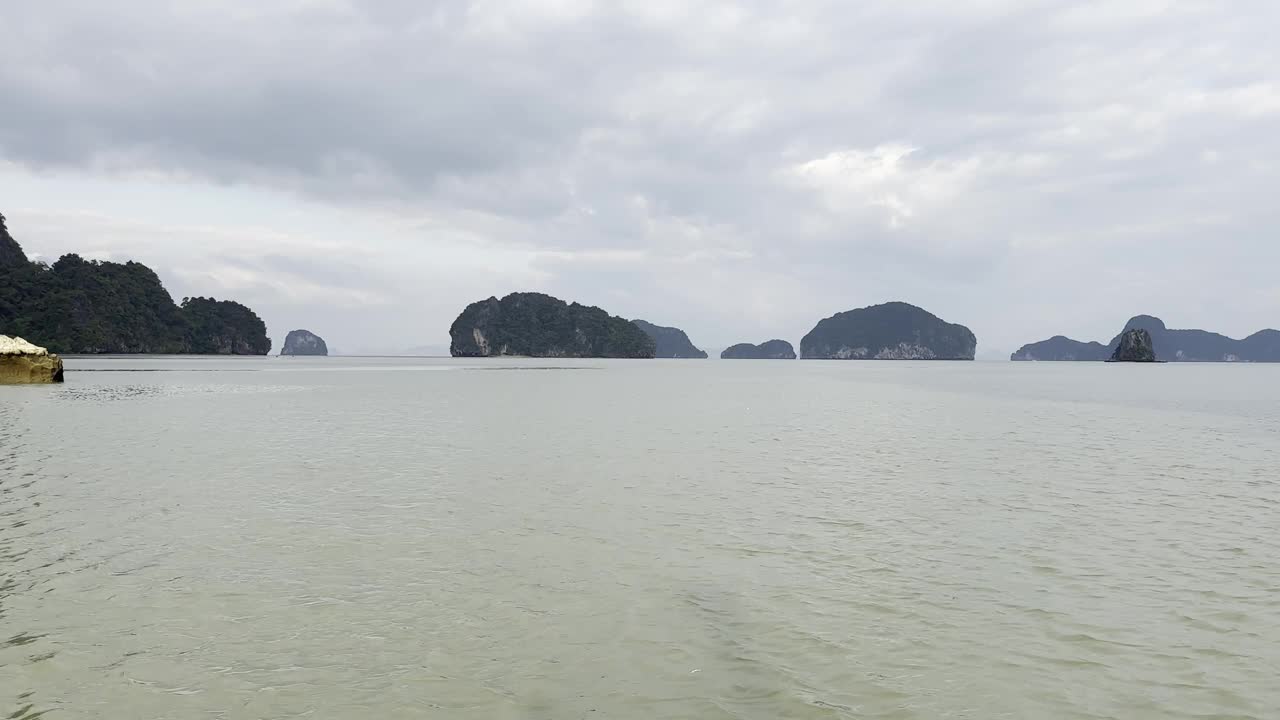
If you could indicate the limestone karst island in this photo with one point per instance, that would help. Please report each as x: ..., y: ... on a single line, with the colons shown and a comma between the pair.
x: 1169, y: 345
x: 537, y: 325
x: 891, y: 331
x: 78, y: 306
x: 767, y: 350
x: 304, y: 342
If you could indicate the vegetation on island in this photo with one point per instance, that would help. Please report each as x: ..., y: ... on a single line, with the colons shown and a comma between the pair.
x: 891, y: 331
x: 670, y: 342
x: 768, y: 350
x: 1169, y: 344
x: 538, y: 325
x: 81, y: 306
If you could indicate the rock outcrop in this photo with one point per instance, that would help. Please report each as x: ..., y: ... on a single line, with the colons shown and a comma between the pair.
x: 304, y: 342
x: 670, y: 342
x: 1059, y: 348
x: 892, y: 331
x: 22, y: 363
x: 769, y: 350
x: 1170, y: 345
x: 537, y: 325
x: 1135, y: 346
x: 85, y: 307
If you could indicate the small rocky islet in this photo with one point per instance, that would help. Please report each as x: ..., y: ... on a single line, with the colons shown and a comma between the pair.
x: 304, y: 343
x: 1169, y: 345
x: 1135, y: 346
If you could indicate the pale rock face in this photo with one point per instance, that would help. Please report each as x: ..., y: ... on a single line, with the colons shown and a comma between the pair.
x: 22, y: 363
x: 906, y: 351
x: 18, y: 346
x: 481, y: 341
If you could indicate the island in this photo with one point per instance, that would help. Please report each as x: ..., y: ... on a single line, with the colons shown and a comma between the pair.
x: 1060, y: 348
x: 78, y: 306
x: 768, y: 350
x: 304, y: 342
x: 536, y: 325
x: 22, y: 363
x: 670, y: 342
x: 1134, y: 346
x: 1169, y: 345
x: 891, y: 331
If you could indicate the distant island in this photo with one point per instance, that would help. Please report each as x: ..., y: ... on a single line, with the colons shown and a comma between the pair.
x: 80, y: 306
x: 1062, y: 348
x: 768, y: 350
x: 538, y: 325
x: 670, y: 342
x: 304, y: 342
x: 1169, y: 345
x: 891, y: 331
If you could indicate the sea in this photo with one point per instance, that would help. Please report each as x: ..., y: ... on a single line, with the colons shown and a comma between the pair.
x: 245, y: 538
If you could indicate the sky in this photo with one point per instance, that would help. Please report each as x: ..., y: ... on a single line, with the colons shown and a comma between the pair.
x: 737, y: 169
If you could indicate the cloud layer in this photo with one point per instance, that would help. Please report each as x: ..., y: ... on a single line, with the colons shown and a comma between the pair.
x: 738, y: 169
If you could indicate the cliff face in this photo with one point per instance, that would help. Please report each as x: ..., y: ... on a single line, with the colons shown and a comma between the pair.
x: 537, y: 325
x: 85, y: 307
x: 769, y: 350
x: 1134, y: 346
x: 304, y: 342
x: 892, y: 331
x: 670, y: 342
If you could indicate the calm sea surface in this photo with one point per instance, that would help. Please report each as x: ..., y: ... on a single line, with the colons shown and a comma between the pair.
x: 370, y: 538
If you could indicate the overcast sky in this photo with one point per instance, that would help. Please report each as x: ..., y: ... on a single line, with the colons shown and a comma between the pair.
x: 737, y: 169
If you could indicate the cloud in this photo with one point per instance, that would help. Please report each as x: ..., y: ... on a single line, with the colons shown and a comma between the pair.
x: 740, y: 169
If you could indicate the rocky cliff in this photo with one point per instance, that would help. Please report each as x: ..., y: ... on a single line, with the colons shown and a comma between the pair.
x: 892, y: 331
x: 537, y: 325
x: 1134, y: 346
x: 84, y: 307
x: 670, y: 342
x: 304, y: 342
x: 768, y: 350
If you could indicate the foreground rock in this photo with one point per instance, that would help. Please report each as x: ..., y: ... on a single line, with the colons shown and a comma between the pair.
x: 22, y: 363
x: 770, y: 350
x: 304, y: 342
x: 1170, y: 345
x: 670, y: 342
x: 1135, y: 346
x: 537, y: 325
x: 1062, y: 349
x: 892, y: 331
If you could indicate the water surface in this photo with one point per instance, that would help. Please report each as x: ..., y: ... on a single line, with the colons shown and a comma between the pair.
x: 340, y: 538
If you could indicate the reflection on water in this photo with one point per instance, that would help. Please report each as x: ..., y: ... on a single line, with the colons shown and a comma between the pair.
x: 651, y: 540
